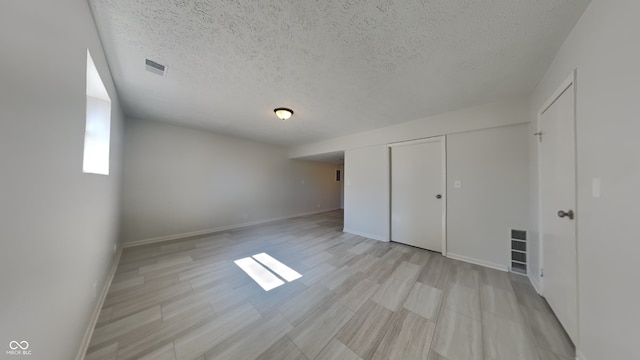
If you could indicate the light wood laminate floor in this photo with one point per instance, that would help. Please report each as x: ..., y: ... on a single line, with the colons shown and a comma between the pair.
x: 357, y: 299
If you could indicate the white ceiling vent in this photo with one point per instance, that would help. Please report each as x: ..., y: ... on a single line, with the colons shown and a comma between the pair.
x: 155, y: 68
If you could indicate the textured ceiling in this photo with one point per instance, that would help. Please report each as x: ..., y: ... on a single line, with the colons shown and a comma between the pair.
x: 342, y: 66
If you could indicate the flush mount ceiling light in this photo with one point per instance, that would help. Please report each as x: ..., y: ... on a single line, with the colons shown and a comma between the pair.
x: 283, y: 113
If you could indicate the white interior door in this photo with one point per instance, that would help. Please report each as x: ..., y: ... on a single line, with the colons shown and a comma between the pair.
x: 417, y: 193
x: 557, y: 208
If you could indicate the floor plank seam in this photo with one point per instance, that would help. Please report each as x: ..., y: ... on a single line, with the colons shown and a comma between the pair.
x: 345, y: 280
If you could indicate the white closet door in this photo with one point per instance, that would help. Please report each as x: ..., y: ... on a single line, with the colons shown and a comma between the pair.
x: 417, y: 194
x: 557, y: 206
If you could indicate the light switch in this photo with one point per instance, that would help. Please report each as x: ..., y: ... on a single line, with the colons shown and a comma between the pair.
x: 457, y: 184
x: 596, y: 188
x: 348, y: 183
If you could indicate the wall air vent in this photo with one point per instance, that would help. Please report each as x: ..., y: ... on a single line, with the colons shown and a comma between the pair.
x: 519, y: 251
x: 154, y: 67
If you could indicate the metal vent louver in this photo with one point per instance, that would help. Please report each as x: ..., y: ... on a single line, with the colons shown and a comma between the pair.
x: 519, y: 251
x: 154, y: 67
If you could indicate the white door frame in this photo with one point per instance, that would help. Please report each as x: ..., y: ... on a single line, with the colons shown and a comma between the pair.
x: 443, y: 146
x: 570, y: 80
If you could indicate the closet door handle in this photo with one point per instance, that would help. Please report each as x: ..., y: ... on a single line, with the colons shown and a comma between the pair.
x: 568, y: 214
x: 438, y: 196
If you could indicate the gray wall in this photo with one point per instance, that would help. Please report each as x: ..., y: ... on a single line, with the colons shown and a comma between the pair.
x: 533, y: 243
x: 58, y: 226
x: 603, y: 47
x: 179, y: 180
x: 366, y: 192
x: 492, y: 166
x: 342, y: 186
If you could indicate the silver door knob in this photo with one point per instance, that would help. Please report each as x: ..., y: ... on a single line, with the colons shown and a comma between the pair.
x: 568, y: 214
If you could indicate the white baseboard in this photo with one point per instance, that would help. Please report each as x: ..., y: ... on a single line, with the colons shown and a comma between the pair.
x: 369, y: 236
x: 580, y: 356
x: 84, y: 345
x: 218, y: 229
x: 477, y: 261
x: 535, y: 285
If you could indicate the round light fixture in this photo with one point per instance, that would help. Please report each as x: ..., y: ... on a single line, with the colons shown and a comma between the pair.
x: 283, y: 113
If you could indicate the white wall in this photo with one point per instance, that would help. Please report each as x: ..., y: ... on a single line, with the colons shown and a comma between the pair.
x: 492, y: 166
x: 506, y: 112
x: 179, y: 180
x: 603, y: 47
x: 492, y: 163
x: 58, y: 226
x: 366, y: 192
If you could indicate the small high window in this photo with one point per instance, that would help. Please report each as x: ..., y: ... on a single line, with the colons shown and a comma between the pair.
x: 97, y: 132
